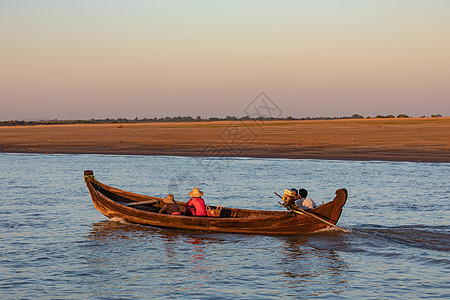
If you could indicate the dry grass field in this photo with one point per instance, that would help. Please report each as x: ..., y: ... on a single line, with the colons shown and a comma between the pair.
x: 415, y: 139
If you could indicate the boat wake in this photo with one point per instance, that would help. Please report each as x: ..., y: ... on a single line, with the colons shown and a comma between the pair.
x: 119, y: 220
x: 435, y: 238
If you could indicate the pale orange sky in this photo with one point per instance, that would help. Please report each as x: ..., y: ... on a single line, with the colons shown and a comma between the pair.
x: 99, y: 59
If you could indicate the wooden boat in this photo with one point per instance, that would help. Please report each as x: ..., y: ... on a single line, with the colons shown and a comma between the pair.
x: 141, y: 209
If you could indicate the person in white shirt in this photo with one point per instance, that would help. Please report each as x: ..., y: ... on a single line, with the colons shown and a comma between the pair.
x: 303, y: 201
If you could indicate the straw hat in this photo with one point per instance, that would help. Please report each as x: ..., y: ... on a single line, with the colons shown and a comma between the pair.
x: 196, y: 193
x: 289, y: 193
x: 169, y: 199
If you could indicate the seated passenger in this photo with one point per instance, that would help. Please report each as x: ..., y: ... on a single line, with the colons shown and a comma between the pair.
x: 303, y: 201
x: 196, y: 205
x: 170, y: 207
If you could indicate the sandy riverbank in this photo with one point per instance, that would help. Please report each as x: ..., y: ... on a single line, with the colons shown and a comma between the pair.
x: 368, y: 139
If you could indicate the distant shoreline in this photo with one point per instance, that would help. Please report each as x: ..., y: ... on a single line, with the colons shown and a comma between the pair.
x: 408, y: 139
x: 189, y: 119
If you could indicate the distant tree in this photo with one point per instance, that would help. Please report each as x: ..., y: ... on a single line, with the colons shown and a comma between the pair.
x: 390, y: 116
x: 402, y: 116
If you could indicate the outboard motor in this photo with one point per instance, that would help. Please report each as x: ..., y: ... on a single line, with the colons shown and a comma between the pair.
x: 289, y: 197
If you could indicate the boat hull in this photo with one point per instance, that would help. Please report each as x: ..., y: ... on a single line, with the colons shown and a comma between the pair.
x: 112, y: 203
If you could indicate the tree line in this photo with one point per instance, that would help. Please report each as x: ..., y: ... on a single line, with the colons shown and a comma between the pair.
x: 187, y: 119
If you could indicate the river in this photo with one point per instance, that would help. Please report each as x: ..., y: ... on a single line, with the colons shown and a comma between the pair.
x: 55, y: 245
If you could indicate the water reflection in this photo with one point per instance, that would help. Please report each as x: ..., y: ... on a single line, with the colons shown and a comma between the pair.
x: 170, y: 246
x: 198, y: 249
x: 119, y: 230
x: 302, y: 260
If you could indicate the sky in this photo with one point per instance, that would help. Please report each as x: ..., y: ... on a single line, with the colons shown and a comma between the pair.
x: 144, y: 59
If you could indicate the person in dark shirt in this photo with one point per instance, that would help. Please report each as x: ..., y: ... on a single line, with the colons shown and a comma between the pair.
x: 170, y: 207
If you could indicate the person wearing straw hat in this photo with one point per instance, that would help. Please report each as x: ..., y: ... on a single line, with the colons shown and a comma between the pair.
x: 289, y: 197
x: 170, y: 207
x: 196, y: 205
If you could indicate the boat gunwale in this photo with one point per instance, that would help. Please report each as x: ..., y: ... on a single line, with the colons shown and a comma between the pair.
x: 279, y: 214
x: 271, y: 214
